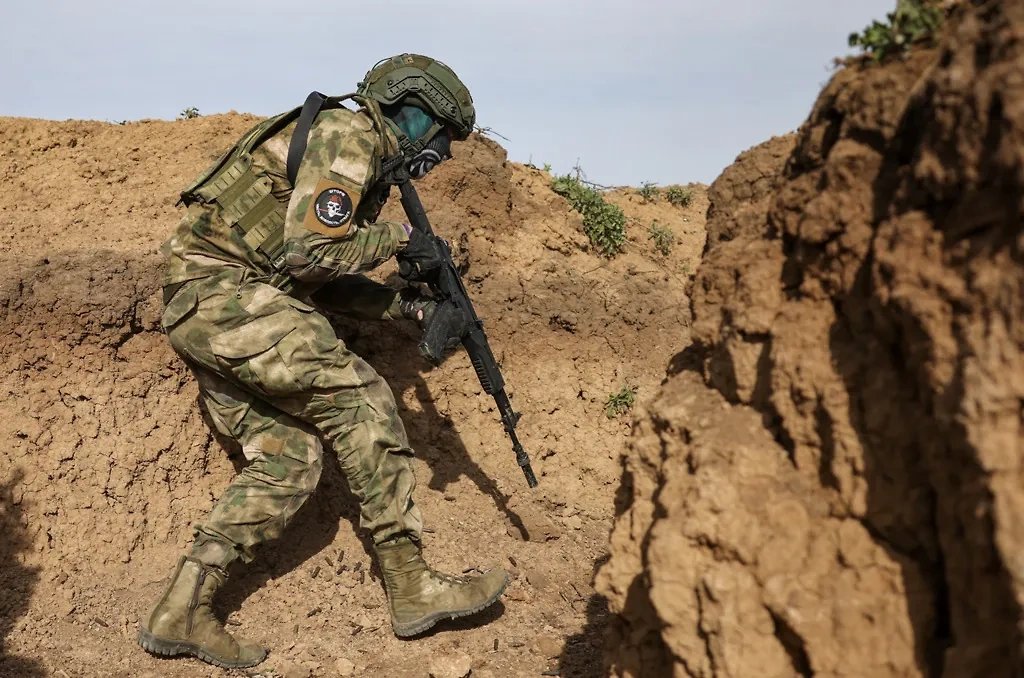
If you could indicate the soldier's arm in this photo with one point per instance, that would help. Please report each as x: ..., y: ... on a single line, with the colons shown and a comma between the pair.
x: 358, y: 297
x: 323, y: 238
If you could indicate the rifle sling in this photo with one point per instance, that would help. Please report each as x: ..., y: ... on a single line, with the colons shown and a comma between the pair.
x: 300, y: 137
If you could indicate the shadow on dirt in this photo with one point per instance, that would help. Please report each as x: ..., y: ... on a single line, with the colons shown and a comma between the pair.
x: 17, y: 582
x: 310, y: 533
x: 583, y: 655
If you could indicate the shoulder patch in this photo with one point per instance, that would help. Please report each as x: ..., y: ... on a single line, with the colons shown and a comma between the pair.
x: 331, y: 209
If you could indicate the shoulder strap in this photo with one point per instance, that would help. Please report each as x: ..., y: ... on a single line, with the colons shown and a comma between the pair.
x: 300, y: 137
x: 317, y: 102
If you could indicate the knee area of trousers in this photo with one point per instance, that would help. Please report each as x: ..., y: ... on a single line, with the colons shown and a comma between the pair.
x: 294, y: 451
x: 312, y: 464
x: 315, y: 467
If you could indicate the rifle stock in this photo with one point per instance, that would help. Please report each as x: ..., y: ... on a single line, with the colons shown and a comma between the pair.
x: 450, y: 289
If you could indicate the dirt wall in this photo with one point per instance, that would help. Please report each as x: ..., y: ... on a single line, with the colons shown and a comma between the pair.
x: 106, y: 462
x: 831, y: 484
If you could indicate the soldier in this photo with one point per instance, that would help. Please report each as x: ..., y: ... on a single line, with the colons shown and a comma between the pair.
x: 277, y: 230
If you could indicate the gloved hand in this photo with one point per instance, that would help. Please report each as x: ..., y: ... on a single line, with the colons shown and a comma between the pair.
x: 415, y: 306
x: 421, y: 259
x: 443, y: 331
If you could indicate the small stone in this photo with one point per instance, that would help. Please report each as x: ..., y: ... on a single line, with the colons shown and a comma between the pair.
x: 344, y: 667
x: 451, y: 666
x: 296, y: 671
x: 538, y: 579
x: 517, y: 594
x: 549, y: 647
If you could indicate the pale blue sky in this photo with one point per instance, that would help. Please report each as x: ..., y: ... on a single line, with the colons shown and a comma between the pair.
x: 648, y: 90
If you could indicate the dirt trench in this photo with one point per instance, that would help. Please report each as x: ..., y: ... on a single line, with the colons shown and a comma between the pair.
x: 106, y: 462
x: 831, y: 481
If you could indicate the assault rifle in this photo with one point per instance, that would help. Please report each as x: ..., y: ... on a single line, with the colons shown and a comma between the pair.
x: 455, y: 321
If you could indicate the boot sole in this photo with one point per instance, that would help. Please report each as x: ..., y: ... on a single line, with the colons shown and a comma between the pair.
x: 419, y: 626
x: 174, y: 648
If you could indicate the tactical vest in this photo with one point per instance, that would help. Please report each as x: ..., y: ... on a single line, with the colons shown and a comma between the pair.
x: 244, y: 197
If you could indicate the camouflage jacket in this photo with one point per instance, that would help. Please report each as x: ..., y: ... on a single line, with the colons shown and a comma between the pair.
x: 343, y: 158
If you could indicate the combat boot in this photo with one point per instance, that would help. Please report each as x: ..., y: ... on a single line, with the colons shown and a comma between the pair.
x: 419, y: 597
x: 182, y: 623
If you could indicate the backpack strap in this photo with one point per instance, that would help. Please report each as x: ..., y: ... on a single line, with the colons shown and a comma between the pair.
x: 300, y: 137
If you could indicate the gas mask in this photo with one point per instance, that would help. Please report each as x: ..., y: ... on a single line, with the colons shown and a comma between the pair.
x: 414, y: 124
x: 433, y: 154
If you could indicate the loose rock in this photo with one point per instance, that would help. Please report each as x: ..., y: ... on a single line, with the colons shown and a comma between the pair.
x: 451, y: 666
x: 549, y: 647
x: 344, y: 667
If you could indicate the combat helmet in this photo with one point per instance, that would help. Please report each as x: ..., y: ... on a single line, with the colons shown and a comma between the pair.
x: 425, y: 82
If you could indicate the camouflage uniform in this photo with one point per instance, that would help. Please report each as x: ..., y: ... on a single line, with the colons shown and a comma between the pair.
x: 245, y: 261
x: 270, y: 369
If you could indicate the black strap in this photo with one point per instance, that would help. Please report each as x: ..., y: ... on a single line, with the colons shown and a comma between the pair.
x: 297, y: 147
x: 393, y: 170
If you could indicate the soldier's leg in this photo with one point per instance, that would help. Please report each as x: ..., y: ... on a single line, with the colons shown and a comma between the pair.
x: 355, y: 411
x: 285, y: 460
x: 285, y: 352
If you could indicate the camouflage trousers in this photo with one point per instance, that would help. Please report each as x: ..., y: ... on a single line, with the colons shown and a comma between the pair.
x: 273, y: 376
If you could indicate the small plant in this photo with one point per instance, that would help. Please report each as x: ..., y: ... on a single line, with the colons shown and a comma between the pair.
x: 913, y: 21
x: 619, y: 402
x: 679, y: 196
x: 649, y: 191
x: 189, y: 113
x: 547, y: 167
x: 662, y: 237
x: 488, y: 132
x: 604, y: 223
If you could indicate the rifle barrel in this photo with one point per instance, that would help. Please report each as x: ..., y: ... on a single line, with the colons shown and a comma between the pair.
x: 450, y: 285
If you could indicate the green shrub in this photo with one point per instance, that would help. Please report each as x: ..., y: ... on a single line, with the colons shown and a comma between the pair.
x: 604, y: 223
x: 662, y: 237
x: 679, y: 196
x: 913, y: 21
x: 189, y: 113
x: 648, y: 191
x: 620, y: 401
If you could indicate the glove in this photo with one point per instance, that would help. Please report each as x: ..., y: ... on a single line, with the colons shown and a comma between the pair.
x: 421, y: 259
x: 442, y: 332
x: 417, y: 307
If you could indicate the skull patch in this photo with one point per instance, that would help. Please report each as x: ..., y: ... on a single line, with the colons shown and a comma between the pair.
x: 333, y: 207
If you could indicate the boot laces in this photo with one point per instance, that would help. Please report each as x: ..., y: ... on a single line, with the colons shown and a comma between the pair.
x: 451, y: 579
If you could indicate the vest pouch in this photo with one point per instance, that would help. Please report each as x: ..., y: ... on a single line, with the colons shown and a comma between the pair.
x: 187, y: 196
x: 180, y: 306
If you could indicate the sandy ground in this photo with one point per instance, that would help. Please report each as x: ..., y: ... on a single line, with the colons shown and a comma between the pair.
x: 105, y: 461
